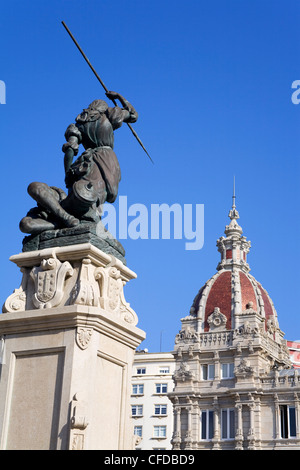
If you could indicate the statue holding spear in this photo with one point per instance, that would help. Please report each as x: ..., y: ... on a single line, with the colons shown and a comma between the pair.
x: 93, y: 178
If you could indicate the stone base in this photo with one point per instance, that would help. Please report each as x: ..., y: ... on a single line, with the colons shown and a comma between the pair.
x: 86, y: 232
x: 69, y: 339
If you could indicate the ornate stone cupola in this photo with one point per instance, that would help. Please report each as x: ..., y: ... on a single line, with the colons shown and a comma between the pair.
x: 234, y: 247
x: 232, y: 298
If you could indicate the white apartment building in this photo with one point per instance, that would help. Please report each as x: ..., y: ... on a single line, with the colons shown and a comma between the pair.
x: 151, y: 410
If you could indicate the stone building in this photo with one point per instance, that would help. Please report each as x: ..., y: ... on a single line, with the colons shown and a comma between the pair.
x: 235, y: 386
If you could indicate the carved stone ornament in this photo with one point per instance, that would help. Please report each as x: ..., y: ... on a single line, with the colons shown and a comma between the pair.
x: 112, y: 297
x: 217, y: 320
x: 271, y: 326
x: 246, y: 329
x: 183, y: 373
x: 83, y: 337
x: 16, y: 302
x: 79, y: 422
x: 91, y: 278
x: 243, y: 369
x: 86, y: 289
x: 49, y: 279
x: 187, y: 334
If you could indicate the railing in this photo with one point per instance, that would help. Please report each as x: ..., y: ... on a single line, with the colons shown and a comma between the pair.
x: 272, y: 346
x: 284, y: 380
x: 212, y: 339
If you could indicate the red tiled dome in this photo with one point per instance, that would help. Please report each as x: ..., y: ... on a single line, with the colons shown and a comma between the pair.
x: 232, y: 290
x: 219, y: 291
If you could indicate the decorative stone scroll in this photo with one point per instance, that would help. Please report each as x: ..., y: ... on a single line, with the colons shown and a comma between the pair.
x: 86, y: 289
x: 111, y: 293
x: 15, y: 302
x: 79, y: 422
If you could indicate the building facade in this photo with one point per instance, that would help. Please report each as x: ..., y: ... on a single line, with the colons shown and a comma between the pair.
x: 235, y: 386
x: 294, y: 348
x: 151, y: 409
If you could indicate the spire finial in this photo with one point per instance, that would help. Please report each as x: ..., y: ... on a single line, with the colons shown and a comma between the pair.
x: 233, y: 196
x: 233, y: 214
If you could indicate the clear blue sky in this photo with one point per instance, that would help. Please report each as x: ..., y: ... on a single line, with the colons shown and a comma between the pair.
x: 211, y: 81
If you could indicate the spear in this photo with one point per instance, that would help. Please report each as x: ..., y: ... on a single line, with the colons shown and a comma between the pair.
x: 103, y: 85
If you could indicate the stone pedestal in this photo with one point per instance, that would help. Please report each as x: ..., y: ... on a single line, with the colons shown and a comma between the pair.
x: 69, y: 338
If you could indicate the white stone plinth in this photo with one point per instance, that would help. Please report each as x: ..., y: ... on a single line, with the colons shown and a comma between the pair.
x: 69, y: 342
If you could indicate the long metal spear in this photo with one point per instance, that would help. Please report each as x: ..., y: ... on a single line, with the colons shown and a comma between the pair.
x: 103, y: 85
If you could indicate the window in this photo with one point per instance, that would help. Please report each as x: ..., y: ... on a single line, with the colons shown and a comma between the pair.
x: 137, y: 389
x: 160, y: 410
x: 138, y: 431
x: 208, y: 371
x: 160, y: 431
x: 136, y: 410
x: 141, y: 370
x: 287, y: 421
x: 207, y: 424
x: 161, y: 388
x: 164, y: 370
x: 227, y: 370
x: 227, y: 424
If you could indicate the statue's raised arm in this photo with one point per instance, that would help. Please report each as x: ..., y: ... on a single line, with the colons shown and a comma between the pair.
x: 127, y: 114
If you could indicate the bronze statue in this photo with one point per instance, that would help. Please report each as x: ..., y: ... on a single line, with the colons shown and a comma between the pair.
x: 94, y: 176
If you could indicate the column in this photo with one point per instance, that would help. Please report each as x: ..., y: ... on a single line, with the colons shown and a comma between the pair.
x: 251, y: 433
x: 297, y: 409
x: 176, y: 440
x: 258, y: 430
x: 217, y: 365
x: 239, y: 430
x: 189, y: 433
x: 234, y: 252
x: 276, y: 416
x: 216, y: 438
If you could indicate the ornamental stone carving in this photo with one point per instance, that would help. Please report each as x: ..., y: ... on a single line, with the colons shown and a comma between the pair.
x: 15, y: 302
x: 86, y: 289
x: 83, y: 337
x: 217, y: 320
x: 112, y: 295
x: 247, y: 329
x: 187, y: 334
x: 49, y: 280
x: 75, y: 275
x: 183, y: 373
x: 271, y: 326
x: 243, y: 369
x: 79, y: 422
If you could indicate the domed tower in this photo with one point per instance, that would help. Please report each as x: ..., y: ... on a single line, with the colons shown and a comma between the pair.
x: 232, y: 297
x: 231, y: 361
